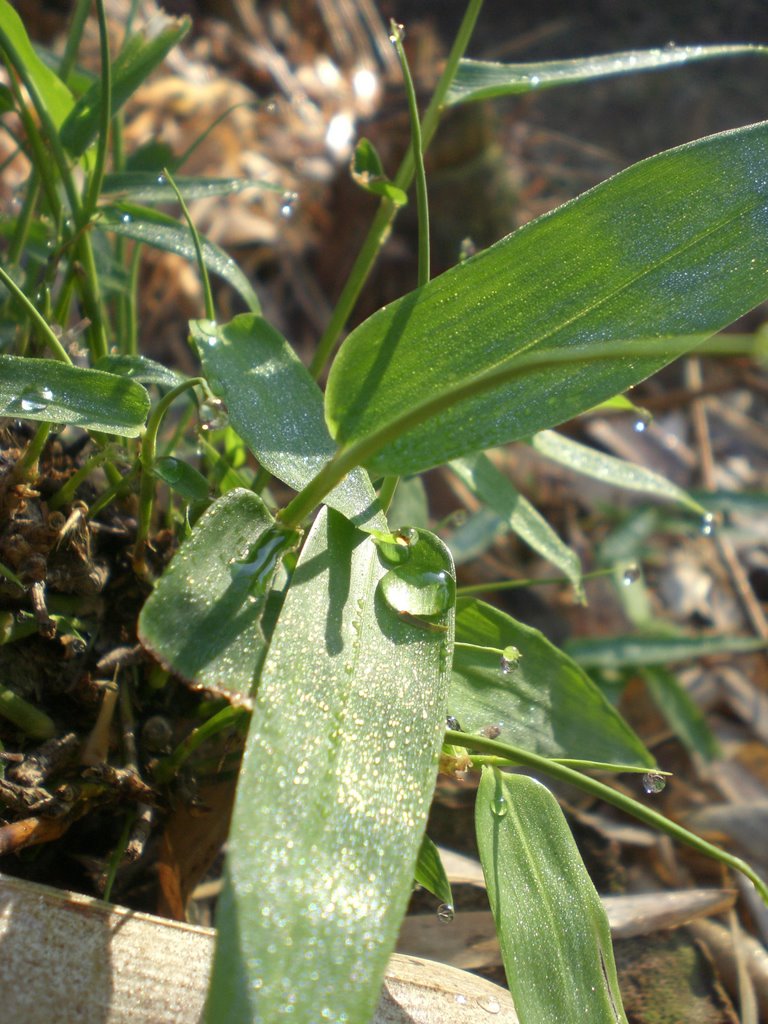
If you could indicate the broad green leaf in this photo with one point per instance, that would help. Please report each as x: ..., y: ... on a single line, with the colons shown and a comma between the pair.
x: 151, y: 187
x: 481, y: 79
x: 545, y: 703
x: 163, y: 232
x: 553, y: 931
x: 333, y: 796
x: 496, y: 491
x: 141, y: 369
x: 47, y: 89
x: 182, y: 478
x: 682, y: 712
x: 610, y: 470
x: 133, y: 65
x: 202, y: 619
x: 430, y: 873
x: 629, y: 651
x: 54, y: 392
x: 277, y: 409
x: 573, y: 308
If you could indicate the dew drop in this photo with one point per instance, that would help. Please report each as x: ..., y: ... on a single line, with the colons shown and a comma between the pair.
x: 499, y: 806
x: 707, y: 525
x: 445, y: 913
x: 397, y: 32
x: 161, y: 179
x: 653, y: 783
x: 407, y: 588
x: 35, y: 399
x: 453, y: 723
x: 288, y: 204
x: 510, y: 656
x: 533, y: 81
x: 126, y: 218
x: 260, y: 564
x: 490, y: 1004
x: 630, y: 575
x: 640, y: 426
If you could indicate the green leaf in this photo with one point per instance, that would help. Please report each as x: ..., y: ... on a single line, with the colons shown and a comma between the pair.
x: 682, y: 712
x: 151, y: 187
x: 182, y: 478
x: 632, y: 651
x: 480, y: 79
x: 496, y: 491
x: 368, y: 173
x: 333, y: 797
x: 546, y: 703
x: 277, y: 409
x: 141, y: 369
x: 430, y: 872
x: 610, y: 470
x: 133, y: 65
x: 202, y: 619
x: 553, y: 931
x: 417, y: 582
x: 46, y: 87
x: 54, y: 392
x: 571, y: 309
x: 163, y: 232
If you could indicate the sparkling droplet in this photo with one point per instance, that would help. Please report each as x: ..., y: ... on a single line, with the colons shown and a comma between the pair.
x: 445, y: 913
x: 653, y: 783
x: 126, y: 218
x: 510, y: 656
x: 707, y: 525
x: 397, y: 32
x: 453, y: 723
x: 499, y: 806
x: 533, y: 81
x: 630, y: 575
x: 288, y: 204
x: 640, y: 426
x: 35, y: 400
x: 161, y: 179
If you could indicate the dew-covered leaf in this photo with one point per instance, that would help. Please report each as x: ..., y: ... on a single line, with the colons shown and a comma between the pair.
x: 182, y: 478
x: 55, y: 392
x: 569, y: 310
x: 553, y: 931
x: 498, y: 492
x: 544, y: 703
x: 151, y: 187
x: 202, y: 619
x: 162, y: 232
x: 430, y: 873
x: 615, y: 652
x: 483, y: 79
x: 141, y: 369
x: 610, y: 470
x: 336, y: 783
x: 277, y: 409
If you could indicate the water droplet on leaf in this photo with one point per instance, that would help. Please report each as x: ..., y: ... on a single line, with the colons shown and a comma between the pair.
x: 445, y: 913
x: 397, y: 32
x: 630, y: 575
x: 533, y: 81
x: 499, y: 806
x: 126, y: 218
x: 288, y: 204
x: 707, y: 526
x: 261, y: 563
x: 640, y: 426
x: 453, y: 723
x: 510, y: 657
x: 35, y: 400
x: 653, y: 783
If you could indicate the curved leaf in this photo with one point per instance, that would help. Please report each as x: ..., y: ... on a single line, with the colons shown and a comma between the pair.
x: 482, y: 79
x: 614, y: 652
x: 54, y: 392
x: 553, y: 931
x: 47, y: 88
x: 151, y: 187
x: 277, y: 409
x: 546, y: 703
x: 141, y: 369
x: 430, y: 872
x: 333, y: 795
x: 541, y: 326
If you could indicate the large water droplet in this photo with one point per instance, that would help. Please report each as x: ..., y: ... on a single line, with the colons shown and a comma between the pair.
x: 445, y: 913
x: 34, y: 400
x: 260, y: 564
x: 499, y: 806
x: 410, y: 589
x: 653, y: 783
x: 395, y: 548
x: 509, y: 659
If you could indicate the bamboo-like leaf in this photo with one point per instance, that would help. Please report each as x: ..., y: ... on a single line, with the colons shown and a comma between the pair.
x: 629, y: 651
x: 681, y: 711
x: 277, y: 409
x: 47, y: 88
x: 553, y: 931
x: 333, y: 797
x: 163, y: 232
x: 610, y: 470
x: 430, y: 872
x: 481, y: 79
x: 141, y: 369
x: 202, y: 619
x: 54, y: 392
x: 497, y: 491
x: 132, y: 66
x: 571, y: 309
x: 545, y: 703
x: 152, y: 187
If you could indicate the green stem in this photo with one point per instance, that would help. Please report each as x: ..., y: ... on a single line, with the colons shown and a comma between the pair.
x: 26, y: 466
x: 75, y: 34
x: 25, y: 716
x: 387, y: 492
x: 23, y: 221
x: 36, y: 317
x: 602, y: 792
x: 379, y: 229
x: 66, y: 493
x: 105, y: 119
x: 483, y: 588
x: 210, y: 310
x: 229, y: 717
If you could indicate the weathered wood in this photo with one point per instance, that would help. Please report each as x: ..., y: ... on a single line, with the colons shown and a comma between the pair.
x: 68, y: 959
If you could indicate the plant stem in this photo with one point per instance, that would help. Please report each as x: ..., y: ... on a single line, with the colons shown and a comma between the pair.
x: 37, y: 318
x: 26, y: 466
x: 601, y: 791
x: 379, y: 229
x: 93, y: 188
x: 25, y: 716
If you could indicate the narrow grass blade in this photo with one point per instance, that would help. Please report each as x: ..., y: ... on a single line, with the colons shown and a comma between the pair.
x: 573, y: 308
x: 627, y: 651
x: 277, y: 409
x: 54, y: 392
x: 610, y: 470
x: 681, y: 711
x: 554, y: 934
x: 496, y: 491
x: 546, y: 703
x: 333, y: 797
x: 152, y: 187
x: 481, y: 79
x: 202, y: 619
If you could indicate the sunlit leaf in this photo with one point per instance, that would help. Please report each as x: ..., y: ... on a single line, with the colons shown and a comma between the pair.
x: 151, y: 187
x: 333, y: 797
x: 47, y: 89
x: 141, y: 369
x: 430, y: 873
x: 681, y: 711
x: 554, y: 934
x: 626, y: 651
